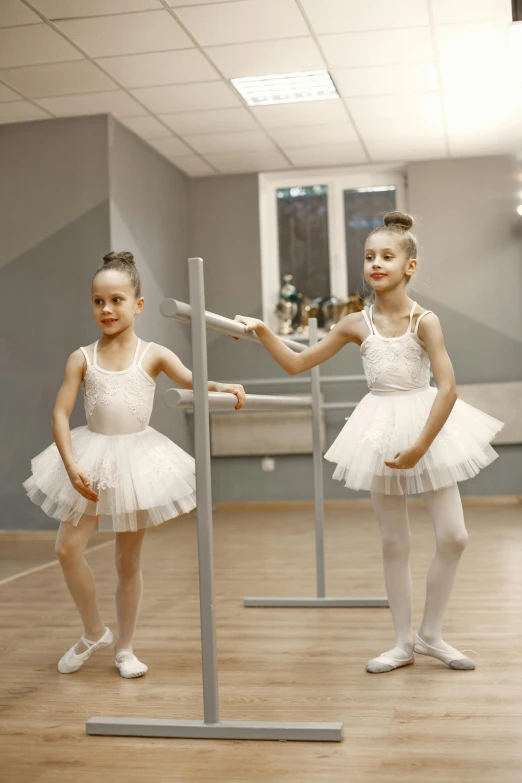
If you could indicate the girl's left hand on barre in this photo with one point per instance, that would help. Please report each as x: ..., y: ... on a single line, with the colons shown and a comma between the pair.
x: 407, y: 458
x: 238, y: 390
x: 250, y: 324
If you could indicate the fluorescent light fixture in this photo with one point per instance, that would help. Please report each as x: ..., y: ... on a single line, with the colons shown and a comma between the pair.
x: 519, y: 209
x: 286, y: 88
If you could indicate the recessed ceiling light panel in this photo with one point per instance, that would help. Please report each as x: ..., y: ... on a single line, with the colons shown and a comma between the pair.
x: 286, y: 88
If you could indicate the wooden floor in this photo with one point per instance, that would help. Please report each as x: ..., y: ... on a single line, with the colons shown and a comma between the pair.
x: 422, y: 723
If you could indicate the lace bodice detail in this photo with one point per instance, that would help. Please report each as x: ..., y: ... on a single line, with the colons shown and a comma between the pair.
x: 395, y: 363
x: 118, y: 402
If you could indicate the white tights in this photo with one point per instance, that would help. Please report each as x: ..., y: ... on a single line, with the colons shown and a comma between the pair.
x: 444, y: 507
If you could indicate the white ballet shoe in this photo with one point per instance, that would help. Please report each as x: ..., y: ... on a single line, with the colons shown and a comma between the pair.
x: 452, y: 658
x: 72, y: 661
x: 129, y: 665
x: 390, y: 660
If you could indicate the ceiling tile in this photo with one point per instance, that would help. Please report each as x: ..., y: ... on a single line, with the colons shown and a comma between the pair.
x: 8, y: 95
x: 21, y: 111
x: 405, y: 106
x: 117, y: 102
x: 470, y: 42
x: 235, y: 163
x: 383, y: 47
x: 311, y: 135
x: 398, y: 149
x: 386, y: 79
x: 335, y: 16
x: 150, y: 31
x: 65, y: 9
x: 170, y: 147
x: 187, y: 97
x: 159, y: 68
x: 288, y: 115
x: 267, y: 57
x: 58, y: 79
x: 471, y: 75
x: 248, y: 141
x: 179, y: 3
x: 13, y: 12
x: 217, y: 121
x: 327, y: 155
x: 400, y: 128
x: 244, y: 21
x: 147, y: 127
x: 492, y: 110
x: 472, y: 144
x: 33, y: 44
x: 450, y: 12
x: 193, y: 166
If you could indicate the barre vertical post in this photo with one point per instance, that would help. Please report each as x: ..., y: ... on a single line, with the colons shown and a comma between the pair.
x: 203, y: 491
x: 318, y: 468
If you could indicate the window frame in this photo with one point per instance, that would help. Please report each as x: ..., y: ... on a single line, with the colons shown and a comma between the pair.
x: 337, y: 181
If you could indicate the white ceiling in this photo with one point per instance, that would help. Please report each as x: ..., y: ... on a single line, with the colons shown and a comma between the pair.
x: 418, y: 79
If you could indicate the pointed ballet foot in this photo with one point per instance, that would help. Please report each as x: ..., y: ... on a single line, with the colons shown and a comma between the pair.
x: 392, y: 659
x: 452, y: 658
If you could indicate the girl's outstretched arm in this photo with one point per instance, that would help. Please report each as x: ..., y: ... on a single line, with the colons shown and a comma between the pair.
x: 173, y: 367
x: 344, y: 332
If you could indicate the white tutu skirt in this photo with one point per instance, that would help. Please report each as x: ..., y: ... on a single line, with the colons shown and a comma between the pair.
x: 142, y: 479
x: 382, y: 425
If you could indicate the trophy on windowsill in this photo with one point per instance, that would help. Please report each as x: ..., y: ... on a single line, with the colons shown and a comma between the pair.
x: 287, y: 306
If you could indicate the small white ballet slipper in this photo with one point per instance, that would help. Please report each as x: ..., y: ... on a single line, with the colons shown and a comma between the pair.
x: 72, y: 661
x: 129, y: 665
x: 452, y: 658
x: 390, y: 660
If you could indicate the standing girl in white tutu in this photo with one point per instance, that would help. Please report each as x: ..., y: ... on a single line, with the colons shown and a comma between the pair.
x: 404, y: 436
x: 115, y: 473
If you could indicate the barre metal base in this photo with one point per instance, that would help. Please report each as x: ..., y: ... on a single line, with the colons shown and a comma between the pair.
x: 315, y: 602
x: 226, y: 729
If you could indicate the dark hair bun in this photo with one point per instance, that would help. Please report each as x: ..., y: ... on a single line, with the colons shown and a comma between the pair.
x: 124, y: 256
x: 399, y: 219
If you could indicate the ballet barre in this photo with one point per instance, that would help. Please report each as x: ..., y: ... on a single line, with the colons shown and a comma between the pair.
x: 211, y: 727
x: 183, y: 398
x: 180, y: 311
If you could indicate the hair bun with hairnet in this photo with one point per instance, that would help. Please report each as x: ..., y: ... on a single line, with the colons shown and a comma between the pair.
x: 123, y: 255
x: 399, y: 219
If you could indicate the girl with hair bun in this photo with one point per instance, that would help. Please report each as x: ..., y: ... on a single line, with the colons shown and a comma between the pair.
x: 405, y: 436
x: 116, y: 472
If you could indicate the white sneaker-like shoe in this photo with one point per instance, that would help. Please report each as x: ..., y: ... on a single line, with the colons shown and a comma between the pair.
x: 72, y: 661
x: 129, y: 665
x: 392, y: 659
x: 452, y: 658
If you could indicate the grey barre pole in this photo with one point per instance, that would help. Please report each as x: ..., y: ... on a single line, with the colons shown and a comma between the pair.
x: 203, y: 492
x: 318, y: 468
x: 181, y: 311
x: 226, y: 401
x: 212, y: 727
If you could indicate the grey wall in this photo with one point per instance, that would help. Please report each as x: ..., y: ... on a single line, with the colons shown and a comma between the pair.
x: 149, y: 217
x: 54, y: 213
x: 70, y: 190
x: 470, y: 275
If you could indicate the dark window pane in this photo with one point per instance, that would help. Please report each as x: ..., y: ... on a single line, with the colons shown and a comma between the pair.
x: 364, y: 209
x: 302, y: 217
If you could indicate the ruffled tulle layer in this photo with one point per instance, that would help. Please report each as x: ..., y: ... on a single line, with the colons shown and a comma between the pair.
x: 382, y: 425
x: 142, y: 479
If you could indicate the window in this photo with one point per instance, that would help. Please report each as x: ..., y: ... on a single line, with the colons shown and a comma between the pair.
x: 313, y: 226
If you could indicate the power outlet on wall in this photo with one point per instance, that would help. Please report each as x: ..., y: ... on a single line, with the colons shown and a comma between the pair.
x: 268, y: 464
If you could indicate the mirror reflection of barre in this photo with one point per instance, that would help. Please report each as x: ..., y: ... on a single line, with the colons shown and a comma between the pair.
x: 212, y: 727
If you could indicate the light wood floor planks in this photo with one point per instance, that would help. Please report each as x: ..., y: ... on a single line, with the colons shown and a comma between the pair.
x: 421, y: 723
